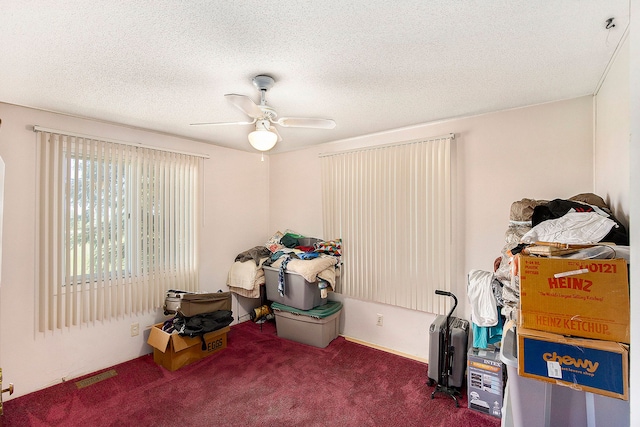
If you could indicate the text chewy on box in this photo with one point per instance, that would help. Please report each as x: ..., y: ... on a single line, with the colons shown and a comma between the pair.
x: 583, y: 364
x: 585, y: 298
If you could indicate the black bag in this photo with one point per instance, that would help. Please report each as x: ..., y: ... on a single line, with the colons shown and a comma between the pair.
x: 201, y: 324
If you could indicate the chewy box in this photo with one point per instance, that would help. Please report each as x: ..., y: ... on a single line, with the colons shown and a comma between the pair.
x: 316, y: 327
x: 485, y: 383
x: 595, y: 366
x: 298, y: 293
x: 174, y: 351
x: 580, y: 297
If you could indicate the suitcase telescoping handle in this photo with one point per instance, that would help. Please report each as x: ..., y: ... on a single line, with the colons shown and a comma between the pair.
x: 455, y: 301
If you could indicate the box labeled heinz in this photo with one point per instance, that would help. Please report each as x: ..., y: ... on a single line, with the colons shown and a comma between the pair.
x: 586, y: 298
x: 595, y: 366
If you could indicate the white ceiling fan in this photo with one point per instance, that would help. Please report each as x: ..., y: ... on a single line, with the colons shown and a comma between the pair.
x: 265, y: 135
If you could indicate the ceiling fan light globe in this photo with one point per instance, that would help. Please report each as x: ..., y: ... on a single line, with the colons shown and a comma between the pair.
x: 263, y: 140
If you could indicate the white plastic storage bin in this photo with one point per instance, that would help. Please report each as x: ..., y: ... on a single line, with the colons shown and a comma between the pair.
x: 298, y: 293
x: 317, y: 327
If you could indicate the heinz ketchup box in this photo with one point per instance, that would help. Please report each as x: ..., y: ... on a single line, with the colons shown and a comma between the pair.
x: 579, y: 297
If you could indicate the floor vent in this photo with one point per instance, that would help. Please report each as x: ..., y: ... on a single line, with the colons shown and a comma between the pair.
x: 96, y: 378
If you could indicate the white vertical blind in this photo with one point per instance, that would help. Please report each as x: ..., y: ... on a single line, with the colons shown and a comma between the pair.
x: 118, y: 227
x: 392, y: 207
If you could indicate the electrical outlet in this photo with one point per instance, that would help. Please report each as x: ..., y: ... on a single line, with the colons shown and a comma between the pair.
x: 135, y: 329
x: 379, y: 321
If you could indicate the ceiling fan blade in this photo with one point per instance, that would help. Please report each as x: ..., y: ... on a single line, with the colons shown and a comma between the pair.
x: 223, y: 123
x: 245, y: 104
x: 274, y: 130
x: 302, y: 122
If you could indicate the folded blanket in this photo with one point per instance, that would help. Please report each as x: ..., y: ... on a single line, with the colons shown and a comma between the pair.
x: 246, y: 275
x: 322, y: 267
x: 254, y: 293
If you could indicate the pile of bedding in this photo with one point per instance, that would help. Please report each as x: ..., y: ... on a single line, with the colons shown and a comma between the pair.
x: 246, y: 274
x: 580, y: 227
x: 314, y: 259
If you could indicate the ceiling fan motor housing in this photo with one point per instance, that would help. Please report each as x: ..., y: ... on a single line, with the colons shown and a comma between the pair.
x: 268, y: 112
x: 263, y: 82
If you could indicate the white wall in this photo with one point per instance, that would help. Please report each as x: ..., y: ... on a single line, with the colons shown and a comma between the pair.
x: 634, y: 202
x: 612, y: 163
x: 540, y: 152
x: 235, y: 218
x: 612, y: 136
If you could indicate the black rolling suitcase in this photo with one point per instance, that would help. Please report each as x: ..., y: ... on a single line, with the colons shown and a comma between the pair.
x: 448, y: 337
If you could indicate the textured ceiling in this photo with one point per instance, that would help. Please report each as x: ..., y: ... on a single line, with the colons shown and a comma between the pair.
x: 370, y: 65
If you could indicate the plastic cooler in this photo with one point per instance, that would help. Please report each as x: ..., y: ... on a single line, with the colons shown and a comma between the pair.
x: 298, y: 293
x: 316, y: 327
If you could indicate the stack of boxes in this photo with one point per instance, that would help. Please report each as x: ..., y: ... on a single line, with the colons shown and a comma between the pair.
x: 304, y: 313
x: 574, y: 323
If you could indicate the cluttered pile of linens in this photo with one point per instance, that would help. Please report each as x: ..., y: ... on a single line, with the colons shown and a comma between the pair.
x: 581, y: 227
x: 314, y: 259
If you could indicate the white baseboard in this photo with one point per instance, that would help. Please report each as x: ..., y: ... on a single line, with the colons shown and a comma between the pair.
x: 388, y: 350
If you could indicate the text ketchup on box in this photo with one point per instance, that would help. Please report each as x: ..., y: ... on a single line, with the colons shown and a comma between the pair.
x: 586, y: 298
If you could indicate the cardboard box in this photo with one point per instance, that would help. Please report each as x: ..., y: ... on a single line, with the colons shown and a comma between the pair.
x: 595, y: 366
x: 174, y: 351
x: 485, y: 384
x: 583, y: 298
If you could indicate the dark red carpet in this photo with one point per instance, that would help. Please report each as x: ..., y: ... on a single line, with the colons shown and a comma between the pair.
x: 258, y: 380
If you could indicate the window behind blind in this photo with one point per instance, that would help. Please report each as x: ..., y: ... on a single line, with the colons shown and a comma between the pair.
x: 118, y: 226
x: 392, y: 207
